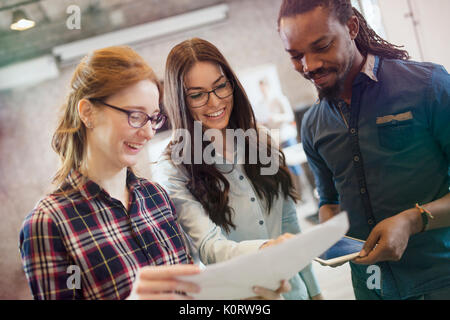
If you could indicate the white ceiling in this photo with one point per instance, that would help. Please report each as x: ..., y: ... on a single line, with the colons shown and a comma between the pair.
x: 98, y: 17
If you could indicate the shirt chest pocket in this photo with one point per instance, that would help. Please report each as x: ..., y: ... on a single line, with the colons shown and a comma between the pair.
x: 395, y: 132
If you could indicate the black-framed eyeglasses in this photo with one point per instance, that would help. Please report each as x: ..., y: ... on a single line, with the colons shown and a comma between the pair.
x: 138, y: 119
x: 201, y: 98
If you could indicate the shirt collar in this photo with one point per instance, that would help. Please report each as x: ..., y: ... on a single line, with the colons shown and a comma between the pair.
x: 370, y: 67
x: 77, y: 181
x: 133, y: 182
x: 89, y: 189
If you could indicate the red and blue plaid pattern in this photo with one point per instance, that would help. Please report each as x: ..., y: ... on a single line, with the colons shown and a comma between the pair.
x: 89, y: 229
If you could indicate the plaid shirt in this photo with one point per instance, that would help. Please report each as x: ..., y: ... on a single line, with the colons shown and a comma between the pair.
x: 94, y: 232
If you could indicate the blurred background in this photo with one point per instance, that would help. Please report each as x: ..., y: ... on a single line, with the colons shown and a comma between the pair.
x: 41, y: 41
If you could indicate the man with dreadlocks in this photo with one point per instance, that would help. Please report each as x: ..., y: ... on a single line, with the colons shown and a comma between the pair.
x: 378, y: 142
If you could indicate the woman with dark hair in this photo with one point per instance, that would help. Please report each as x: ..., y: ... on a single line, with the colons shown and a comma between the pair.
x: 233, y: 204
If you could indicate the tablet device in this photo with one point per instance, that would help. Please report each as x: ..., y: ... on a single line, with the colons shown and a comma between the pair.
x: 344, y: 250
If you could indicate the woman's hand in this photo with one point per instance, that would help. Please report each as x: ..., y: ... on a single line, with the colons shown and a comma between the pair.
x: 267, y: 294
x: 159, y: 283
x: 276, y: 241
x: 318, y: 297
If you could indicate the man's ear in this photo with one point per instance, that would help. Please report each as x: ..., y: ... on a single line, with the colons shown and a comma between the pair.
x: 86, y: 112
x: 353, y: 27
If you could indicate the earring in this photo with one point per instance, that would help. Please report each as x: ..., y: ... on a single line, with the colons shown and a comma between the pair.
x: 89, y: 125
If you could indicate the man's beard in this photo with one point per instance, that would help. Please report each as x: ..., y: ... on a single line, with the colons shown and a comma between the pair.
x: 332, y: 93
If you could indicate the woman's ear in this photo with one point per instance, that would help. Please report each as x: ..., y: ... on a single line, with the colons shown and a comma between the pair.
x: 86, y: 112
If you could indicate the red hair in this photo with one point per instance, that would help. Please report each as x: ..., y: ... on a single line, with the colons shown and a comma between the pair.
x: 99, y: 75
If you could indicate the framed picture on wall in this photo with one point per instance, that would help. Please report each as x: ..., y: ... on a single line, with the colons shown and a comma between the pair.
x: 262, y: 86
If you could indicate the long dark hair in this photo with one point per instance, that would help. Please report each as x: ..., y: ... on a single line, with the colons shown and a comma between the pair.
x: 206, y: 183
x: 367, y: 40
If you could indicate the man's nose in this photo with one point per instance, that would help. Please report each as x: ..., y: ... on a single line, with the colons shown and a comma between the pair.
x: 311, y: 63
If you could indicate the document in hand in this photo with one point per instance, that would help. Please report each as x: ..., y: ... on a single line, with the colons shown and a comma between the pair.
x: 234, y: 278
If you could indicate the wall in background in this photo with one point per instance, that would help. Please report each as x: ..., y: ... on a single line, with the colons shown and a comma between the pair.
x: 424, y: 33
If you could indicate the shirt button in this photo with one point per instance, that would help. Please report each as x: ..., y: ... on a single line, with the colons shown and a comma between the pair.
x: 370, y: 221
x: 261, y: 222
x: 352, y: 130
x: 241, y: 177
x: 363, y: 190
x: 253, y: 199
x: 356, y: 158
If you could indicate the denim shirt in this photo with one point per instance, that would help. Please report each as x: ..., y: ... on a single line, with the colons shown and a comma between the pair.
x: 254, y: 224
x: 381, y: 155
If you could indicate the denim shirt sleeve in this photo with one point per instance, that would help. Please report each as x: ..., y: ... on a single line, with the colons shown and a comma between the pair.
x: 322, y: 174
x: 439, y: 109
x: 290, y: 224
x: 208, y: 239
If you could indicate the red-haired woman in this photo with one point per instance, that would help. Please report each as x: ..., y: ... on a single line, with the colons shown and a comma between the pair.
x: 102, y: 222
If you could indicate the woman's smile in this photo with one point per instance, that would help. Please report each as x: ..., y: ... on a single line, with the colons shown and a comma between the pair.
x: 216, y: 115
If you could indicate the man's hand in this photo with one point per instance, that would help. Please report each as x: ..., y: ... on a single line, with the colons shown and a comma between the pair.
x: 389, y: 238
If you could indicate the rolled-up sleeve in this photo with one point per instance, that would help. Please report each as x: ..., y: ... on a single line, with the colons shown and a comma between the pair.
x: 290, y: 224
x: 207, y: 238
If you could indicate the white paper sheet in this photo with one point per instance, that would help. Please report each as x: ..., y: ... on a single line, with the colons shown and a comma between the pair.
x: 234, y: 278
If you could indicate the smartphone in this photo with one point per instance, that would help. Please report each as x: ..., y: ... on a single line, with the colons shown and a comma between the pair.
x: 344, y: 250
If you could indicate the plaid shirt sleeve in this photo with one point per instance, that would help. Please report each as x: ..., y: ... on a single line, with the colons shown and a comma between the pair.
x: 44, y: 258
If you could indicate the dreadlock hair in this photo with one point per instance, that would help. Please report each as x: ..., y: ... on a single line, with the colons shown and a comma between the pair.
x: 367, y: 41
